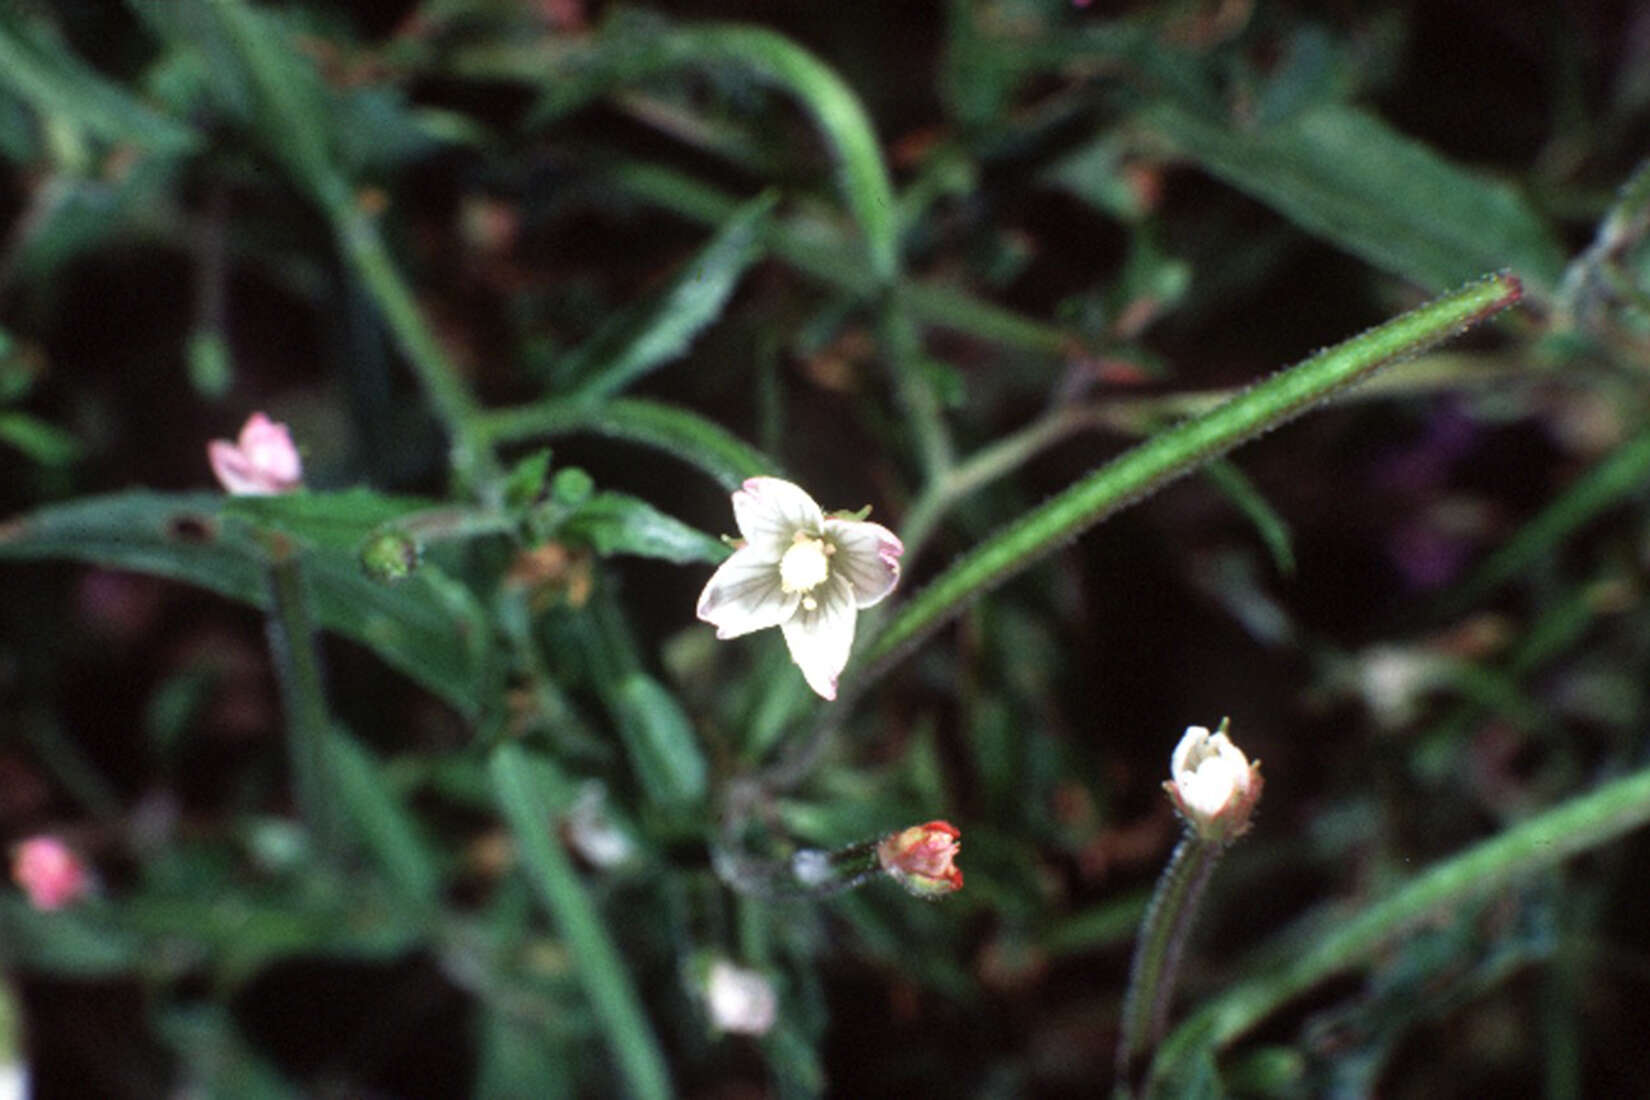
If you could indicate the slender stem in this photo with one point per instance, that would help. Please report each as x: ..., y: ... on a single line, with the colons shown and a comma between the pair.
x: 1157, y: 952
x: 303, y: 693
x: 473, y: 461
x: 988, y: 464
x: 1584, y: 822
x: 902, y: 350
x: 1175, y: 453
x: 811, y: 872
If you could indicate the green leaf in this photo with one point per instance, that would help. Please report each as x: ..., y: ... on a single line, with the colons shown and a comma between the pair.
x: 662, y: 328
x: 260, y: 79
x: 686, y: 435
x: 382, y: 823
x: 86, y: 941
x: 45, y: 443
x: 660, y: 741
x: 614, y: 523
x: 40, y: 69
x: 1273, y: 528
x: 338, y: 520
x: 414, y: 627
x: 1345, y: 175
x: 524, y: 784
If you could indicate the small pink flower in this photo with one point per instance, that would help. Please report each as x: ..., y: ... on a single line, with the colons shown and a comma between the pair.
x: 920, y: 858
x: 49, y: 872
x: 262, y: 462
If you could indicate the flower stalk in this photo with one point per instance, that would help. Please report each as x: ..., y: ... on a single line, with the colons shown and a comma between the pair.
x: 303, y: 694
x: 1214, y: 789
x: 919, y: 858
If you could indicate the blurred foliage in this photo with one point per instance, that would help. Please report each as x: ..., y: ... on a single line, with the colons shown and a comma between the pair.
x: 536, y: 284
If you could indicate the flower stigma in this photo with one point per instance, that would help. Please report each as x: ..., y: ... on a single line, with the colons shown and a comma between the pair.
x: 804, y: 567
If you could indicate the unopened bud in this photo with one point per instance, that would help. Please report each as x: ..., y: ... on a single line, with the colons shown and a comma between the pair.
x: 1214, y: 786
x: 920, y: 858
x: 390, y: 556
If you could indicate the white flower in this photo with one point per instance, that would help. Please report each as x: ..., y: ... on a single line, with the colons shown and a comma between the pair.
x: 739, y: 1000
x: 1214, y: 786
x: 801, y: 571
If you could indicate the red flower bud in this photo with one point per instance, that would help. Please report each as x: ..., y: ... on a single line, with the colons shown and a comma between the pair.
x: 920, y: 858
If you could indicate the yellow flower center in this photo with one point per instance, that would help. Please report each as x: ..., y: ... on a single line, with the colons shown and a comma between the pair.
x: 804, y: 567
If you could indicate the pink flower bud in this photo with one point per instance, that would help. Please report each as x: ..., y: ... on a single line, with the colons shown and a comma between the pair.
x: 49, y: 872
x: 1214, y: 786
x: 262, y: 462
x: 920, y: 858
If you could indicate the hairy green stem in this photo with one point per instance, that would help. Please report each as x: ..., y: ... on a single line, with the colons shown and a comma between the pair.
x: 1177, y: 452
x: 1157, y: 952
x: 303, y: 694
x: 1578, y: 825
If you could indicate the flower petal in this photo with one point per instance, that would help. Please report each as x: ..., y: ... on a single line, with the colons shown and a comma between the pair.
x: 744, y: 594
x: 867, y: 554
x: 770, y: 511
x: 233, y: 470
x: 820, y: 639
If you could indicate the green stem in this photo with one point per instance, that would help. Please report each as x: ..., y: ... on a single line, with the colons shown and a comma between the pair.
x: 303, y: 695
x: 473, y: 463
x: 902, y: 350
x: 517, y: 779
x: 987, y: 465
x: 1585, y: 822
x: 1163, y: 935
x: 1177, y: 452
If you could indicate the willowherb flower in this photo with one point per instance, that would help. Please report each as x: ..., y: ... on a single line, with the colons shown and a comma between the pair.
x: 49, y: 872
x: 1214, y: 786
x: 803, y: 571
x: 262, y: 462
x: 920, y: 858
x: 738, y: 1000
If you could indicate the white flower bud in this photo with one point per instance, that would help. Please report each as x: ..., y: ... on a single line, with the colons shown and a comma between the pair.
x: 1214, y: 786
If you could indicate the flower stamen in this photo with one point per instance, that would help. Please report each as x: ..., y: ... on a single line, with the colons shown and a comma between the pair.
x: 804, y: 567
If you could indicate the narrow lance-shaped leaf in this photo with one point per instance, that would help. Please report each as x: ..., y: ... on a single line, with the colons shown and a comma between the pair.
x: 523, y: 784
x: 1345, y: 175
x: 615, y: 523
x: 684, y: 435
x: 42, y: 71
x: 662, y: 328
x: 412, y: 626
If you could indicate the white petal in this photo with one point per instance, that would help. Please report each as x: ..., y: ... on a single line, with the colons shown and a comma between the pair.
x: 744, y: 595
x: 820, y: 639
x: 867, y: 554
x: 770, y: 511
